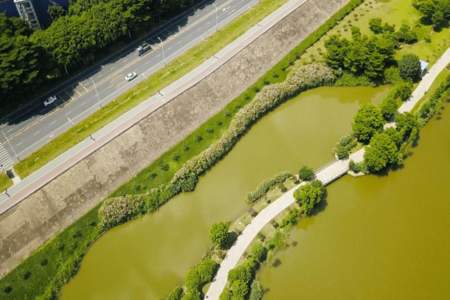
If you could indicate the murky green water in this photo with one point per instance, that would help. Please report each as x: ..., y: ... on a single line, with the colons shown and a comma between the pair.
x: 378, y: 237
x: 145, y: 259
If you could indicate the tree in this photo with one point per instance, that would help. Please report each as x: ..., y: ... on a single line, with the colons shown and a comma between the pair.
x: 409, y: 66
x: 435, y: 12
x: 306, y: 173
x: 367, y: 122
x: 309, y: 195
x: 55, y: 11
x: 381, y: 153
x: 406, y: 124
x: 406, y: 35
x: 403, y: 90
x: 219, y: 235
x: 389, y: 107
x: 376, y: 25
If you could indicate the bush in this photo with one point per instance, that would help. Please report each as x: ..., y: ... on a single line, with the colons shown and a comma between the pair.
x: 257, y: 291
x: 430, y: 107
x: 381, y: 153
x: 200, y: 275
x: 267, y: 185
x: 403, y: 90
x: 176, y: 294
x: 356, y: 167
x: 258, y: 253
x: 291, y: 219
x: 409, y: 66
x: 309, y: 195
x: 389, y: 107
x: 306, y: 174
x: 220, y: 236
x: 367, y: 122
x: 406, y: 35
x: 406, y: 124
x: 345, y: 145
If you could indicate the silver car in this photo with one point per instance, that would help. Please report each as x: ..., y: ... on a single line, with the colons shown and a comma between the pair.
x: 50, y: 100
x: 130, y: 76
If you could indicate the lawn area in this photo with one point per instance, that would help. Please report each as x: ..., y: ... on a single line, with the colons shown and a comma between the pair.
x: 5, y: 181
x: 394, y: 12
x: 162, y: 78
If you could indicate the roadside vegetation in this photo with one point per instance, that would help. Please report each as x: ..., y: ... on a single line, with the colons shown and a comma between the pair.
x: 75, y: 39
x: 159, y: 173
x: 5, y: 181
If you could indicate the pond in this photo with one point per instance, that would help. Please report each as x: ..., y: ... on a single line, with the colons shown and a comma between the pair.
x: 147, y: 258
x: 378, y: 237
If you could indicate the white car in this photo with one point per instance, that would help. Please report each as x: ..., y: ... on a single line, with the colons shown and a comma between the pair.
x: 130, y: 76
x: 50, y: 100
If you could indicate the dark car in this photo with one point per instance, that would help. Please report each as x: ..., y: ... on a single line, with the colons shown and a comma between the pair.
x: 144, y: 47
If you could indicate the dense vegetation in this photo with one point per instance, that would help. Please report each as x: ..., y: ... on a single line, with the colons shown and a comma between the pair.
x: 221, y: 236
x: 74, y: 39
x: 308, y: 196
x: 435, y: 12
x: 267, y: 185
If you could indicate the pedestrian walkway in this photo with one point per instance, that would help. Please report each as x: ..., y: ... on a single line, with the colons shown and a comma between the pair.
x: 326, y: 175
x: 6, y: 162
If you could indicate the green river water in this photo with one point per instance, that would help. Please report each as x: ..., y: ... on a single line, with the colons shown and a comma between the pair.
x: 147, y: 258
x: 378, y: 237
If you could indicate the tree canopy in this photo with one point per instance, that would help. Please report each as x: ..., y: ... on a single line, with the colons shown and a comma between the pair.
x: 309, y: 195
x: 409, y: 66
x: 368, y: 121
x: 435, y: 12
x: 219, y: 234
x: 381, y: 153
x: 361, y: 55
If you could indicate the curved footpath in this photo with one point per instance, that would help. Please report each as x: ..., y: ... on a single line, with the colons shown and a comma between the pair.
x: 326, y: 175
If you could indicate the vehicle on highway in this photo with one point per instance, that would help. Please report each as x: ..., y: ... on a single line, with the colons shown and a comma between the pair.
x: 50, y: 100
x: 144, y: 47
x: 130, y: 76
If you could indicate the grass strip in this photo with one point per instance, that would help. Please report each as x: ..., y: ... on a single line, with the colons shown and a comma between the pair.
x: 51, y: 267
x: 5, y: 182
x: 162, y: 78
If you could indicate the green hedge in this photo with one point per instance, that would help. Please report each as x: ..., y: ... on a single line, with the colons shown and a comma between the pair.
x: 429, y: 108
x: 267, y: 185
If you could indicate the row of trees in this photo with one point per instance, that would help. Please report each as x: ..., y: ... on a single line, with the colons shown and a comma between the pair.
x: 73, y: 40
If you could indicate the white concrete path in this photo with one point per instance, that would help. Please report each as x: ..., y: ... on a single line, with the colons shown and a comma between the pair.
x: 65, y: 161
x: 326, y: 175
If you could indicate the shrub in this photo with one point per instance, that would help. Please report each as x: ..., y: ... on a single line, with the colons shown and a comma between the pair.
x: 306, y: 174
x: 176, y: 294
x: 389, y: 107
x: 367, y: 122
x: 345, y: 145
x: 200, y: 275
x: 291, y: 218
x: 403, y: 90
x: 258, y: 253
x: 309, y: 195
x: 356, y: 167
x: 409, y: 66
x: 406, y: 35
x: 257, y: 291
x: 267, y: 185
x: 220, y: 236
x: 381, y: 153
x: 406, y: 124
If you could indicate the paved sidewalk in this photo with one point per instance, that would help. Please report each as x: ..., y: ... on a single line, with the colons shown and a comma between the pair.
x: 326, y: 175
x: 65, y: 161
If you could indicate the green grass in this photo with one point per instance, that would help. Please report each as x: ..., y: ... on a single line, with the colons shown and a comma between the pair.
x: 5, y: 182
x: 436, y: 83
x: 162, y: 78
x: 61, y: 265
x: 394, y: 12
x: 39, y: 271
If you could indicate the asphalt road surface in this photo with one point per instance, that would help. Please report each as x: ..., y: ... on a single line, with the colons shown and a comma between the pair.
x: 29, y: 130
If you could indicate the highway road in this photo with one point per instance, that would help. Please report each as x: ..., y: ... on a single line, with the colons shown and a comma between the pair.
x: 80, y: 98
